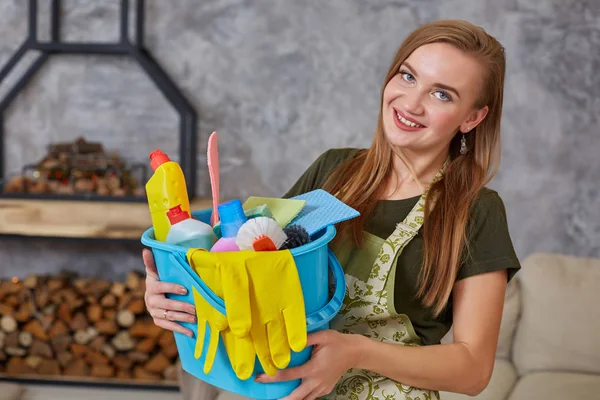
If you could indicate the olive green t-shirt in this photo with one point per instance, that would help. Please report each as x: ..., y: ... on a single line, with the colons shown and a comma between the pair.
x: 491, y: 247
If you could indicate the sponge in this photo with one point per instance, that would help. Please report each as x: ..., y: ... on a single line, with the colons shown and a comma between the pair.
x: 321, y: 210
x: 283, y: 210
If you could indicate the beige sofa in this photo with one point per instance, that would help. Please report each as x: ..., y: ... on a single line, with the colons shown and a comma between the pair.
x: 549, y: 344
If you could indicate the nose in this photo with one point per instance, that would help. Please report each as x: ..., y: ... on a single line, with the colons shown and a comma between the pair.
x: 413, y: 103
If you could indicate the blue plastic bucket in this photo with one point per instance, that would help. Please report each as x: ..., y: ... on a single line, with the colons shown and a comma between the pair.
x: 313, y: 261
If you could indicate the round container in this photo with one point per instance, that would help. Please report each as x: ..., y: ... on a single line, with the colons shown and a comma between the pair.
x: 314, y: 262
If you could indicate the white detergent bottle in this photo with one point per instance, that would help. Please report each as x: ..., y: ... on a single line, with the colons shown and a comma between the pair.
x: 189, y: 232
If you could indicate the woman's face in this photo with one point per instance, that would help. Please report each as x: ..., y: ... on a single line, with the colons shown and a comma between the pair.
x: 431, y: 97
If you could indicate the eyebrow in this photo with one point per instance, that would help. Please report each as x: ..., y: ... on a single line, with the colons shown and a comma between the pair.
x: 440, y: 85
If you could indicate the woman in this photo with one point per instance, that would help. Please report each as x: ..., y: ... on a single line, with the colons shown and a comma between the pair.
x: 431, y: 248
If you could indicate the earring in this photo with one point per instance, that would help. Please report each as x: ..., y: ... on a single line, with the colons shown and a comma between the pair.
x: 463, y: 145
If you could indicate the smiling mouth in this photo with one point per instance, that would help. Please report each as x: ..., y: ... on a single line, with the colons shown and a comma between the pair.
x: 407, y: 122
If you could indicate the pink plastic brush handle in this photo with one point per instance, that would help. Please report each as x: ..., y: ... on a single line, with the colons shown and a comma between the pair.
x: 213, y: 170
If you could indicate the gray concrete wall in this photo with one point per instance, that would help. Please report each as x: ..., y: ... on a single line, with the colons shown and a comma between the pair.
x: 282, y: 81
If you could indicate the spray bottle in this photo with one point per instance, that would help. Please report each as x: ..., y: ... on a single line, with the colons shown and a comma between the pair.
x: 232, y: 218
x: 165, y: 189
x: 188, y: 232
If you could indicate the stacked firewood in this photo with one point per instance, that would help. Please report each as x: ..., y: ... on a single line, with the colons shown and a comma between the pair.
x: 78, y: 167
x: 109, y: 186
x: 81, y: 327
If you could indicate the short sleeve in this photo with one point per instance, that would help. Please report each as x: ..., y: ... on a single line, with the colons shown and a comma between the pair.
x: 490, y: 245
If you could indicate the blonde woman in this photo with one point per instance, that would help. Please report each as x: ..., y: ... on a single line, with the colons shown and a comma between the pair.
x: 431, y: 248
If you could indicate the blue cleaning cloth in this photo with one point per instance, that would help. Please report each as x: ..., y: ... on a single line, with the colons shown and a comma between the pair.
x: 321, y: 210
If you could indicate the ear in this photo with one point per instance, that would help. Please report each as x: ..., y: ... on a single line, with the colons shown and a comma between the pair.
x: 474, y: 119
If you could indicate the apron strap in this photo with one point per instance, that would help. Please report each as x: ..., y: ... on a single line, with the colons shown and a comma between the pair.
x: 405, y: 231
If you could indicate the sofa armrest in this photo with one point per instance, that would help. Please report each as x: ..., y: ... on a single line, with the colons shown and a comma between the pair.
x: 503, y: 381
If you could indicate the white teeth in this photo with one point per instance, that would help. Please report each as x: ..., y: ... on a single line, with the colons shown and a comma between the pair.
x: 407, y: 122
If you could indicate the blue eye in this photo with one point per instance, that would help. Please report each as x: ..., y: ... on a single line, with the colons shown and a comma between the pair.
x: 407, y: 76
x: 444, y: 96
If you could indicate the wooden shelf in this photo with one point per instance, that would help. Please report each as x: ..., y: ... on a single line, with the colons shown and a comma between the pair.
x: 71, y: 380
x: 78, y: 219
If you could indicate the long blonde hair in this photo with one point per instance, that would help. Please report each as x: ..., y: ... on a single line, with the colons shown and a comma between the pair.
x: 360, y: 182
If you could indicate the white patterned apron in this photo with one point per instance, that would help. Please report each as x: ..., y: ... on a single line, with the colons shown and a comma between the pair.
x: 367, y: 311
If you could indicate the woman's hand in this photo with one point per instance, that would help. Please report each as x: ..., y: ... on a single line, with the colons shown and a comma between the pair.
x: 165, y: 311
x: 333, y: 354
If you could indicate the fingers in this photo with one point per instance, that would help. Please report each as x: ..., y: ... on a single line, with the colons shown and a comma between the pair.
x: 157, y: 303
x: 212, y: 349
x: 153, y: 284
x: 318, y: 337
x: 237, y: 292
x: 288, y: 374
x: 173, y: 326
x: 201, y: 326
x: 170, y: 315
x: 149, y: 263
x: 157, y: 287
x: 245, y: 356
x: 160, y: 302
x: 296, y: 328
x: 278, y: 343
x: 261, y: 345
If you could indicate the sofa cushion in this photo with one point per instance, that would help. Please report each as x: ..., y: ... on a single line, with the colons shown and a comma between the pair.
x: 557, y: 330
x: 503, y: 380
x: 510, y: 317
x: 556, y: 386
x: 10, y: 391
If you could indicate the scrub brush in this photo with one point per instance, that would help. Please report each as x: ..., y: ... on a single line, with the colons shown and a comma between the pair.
x: 260, y: 234
x: 296, y: 236
x: 212, y: 157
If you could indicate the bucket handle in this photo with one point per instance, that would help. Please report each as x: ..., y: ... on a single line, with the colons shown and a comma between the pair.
x: 317, y: 317
x: 331, y: 309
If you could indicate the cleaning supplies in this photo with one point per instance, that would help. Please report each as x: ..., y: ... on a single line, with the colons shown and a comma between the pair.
x: 188, y: 232
x: 296, y: 236
x: 217, y: 322
x: 321, y: 210
x: 258, y: 211
x: 240, y: 350
x: 212, y: 158
x: 272, y: 316
x: 283, y: 210
x: 232, y: 218
x: 260, y: 234
x: 165, y: 189
x: 277, y: 320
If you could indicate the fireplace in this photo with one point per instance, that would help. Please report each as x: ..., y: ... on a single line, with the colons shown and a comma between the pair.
x: 62, y: 326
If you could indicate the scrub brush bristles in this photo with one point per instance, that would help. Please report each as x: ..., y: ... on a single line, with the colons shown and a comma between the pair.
x: 260, y: 234
x: 297, y: 236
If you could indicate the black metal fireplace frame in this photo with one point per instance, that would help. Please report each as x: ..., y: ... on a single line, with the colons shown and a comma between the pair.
x: 124, y: 47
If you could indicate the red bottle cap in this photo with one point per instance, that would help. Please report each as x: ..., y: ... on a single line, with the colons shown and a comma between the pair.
x: 264, y: 244
x: 176, y: 214
x: 157, y: 158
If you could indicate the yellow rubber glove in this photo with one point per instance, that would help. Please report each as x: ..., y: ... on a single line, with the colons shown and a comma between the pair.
x: 217, y: 322
x: 263, y: 297
x: 240, y: 350
x: 270, y: 284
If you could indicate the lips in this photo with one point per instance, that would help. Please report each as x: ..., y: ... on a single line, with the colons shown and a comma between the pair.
x: 405, y: 123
